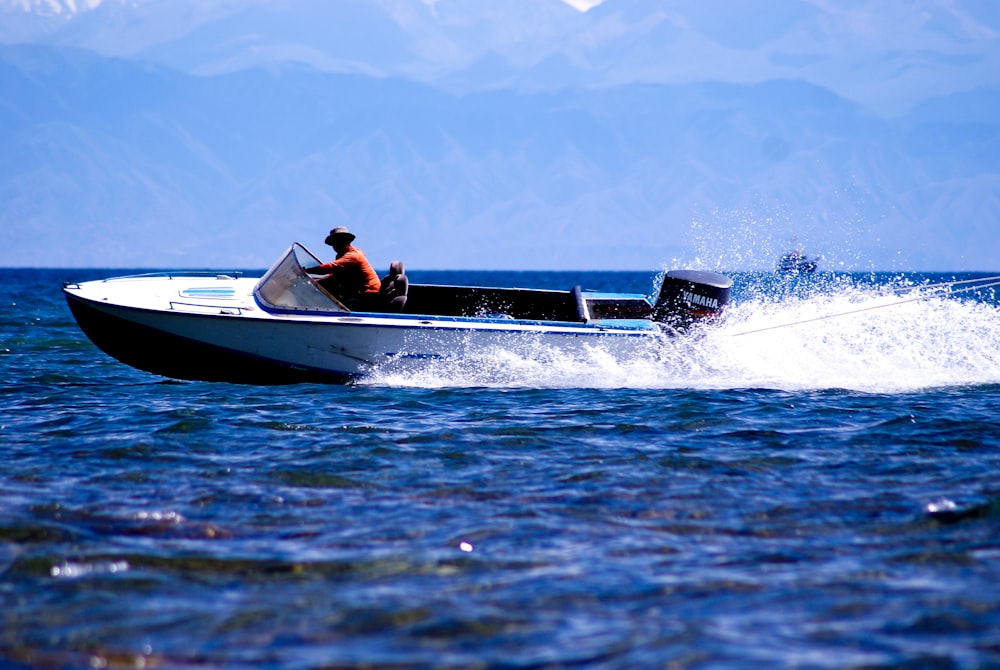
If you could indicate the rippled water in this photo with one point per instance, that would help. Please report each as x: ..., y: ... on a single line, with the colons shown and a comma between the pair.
x: 822, y: 495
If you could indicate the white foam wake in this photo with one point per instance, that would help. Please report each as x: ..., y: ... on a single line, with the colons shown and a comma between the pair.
x: 857, y: 339
x: 878, y: 344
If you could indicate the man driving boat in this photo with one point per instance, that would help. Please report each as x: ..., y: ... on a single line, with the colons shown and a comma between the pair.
x: 350, y: 278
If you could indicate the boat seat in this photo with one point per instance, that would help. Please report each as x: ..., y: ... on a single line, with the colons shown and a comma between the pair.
x: 395, y: 286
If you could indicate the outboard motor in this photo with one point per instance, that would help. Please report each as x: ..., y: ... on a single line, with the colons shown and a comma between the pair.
x: 687, y: 296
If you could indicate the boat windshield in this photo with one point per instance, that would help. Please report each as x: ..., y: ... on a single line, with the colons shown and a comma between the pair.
x: 286, y: 286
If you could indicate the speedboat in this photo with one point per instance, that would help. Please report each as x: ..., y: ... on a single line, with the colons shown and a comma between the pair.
x: 796, y: 262
x: 285, y: 327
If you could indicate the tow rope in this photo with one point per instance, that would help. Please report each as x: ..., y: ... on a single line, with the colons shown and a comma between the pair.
x: 935, y: 290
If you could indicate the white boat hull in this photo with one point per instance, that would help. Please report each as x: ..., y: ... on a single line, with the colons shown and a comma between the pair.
x: 237, y: 341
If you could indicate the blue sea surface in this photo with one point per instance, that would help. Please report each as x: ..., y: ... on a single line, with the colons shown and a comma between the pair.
x: 810, y: 483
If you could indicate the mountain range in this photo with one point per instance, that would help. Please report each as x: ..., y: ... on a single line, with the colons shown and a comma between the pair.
x: 885, y: 54
x: 484, y: 135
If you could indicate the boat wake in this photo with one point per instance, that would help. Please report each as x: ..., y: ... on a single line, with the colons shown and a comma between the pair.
x: 861, y: 340
x: 864, y: 339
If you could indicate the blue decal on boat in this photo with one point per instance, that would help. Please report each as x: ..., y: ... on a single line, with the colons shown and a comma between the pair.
x: 212, y: 292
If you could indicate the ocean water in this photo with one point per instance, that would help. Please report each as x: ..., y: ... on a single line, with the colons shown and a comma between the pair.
x: 810, y: 483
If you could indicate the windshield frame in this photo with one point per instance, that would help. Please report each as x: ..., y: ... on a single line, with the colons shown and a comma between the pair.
x: 286, y: 287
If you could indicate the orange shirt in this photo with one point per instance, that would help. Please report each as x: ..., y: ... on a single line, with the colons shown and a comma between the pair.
x: 353, y: 273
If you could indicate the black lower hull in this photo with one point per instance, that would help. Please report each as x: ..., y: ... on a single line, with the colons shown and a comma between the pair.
x: 181, y: 358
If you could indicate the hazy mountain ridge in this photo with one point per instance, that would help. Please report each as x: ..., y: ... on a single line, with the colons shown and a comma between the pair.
x: 886, y: 54
x: 133, y: 164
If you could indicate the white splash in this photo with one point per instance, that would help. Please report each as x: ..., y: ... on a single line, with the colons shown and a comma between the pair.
x: 861, y: 341
x: 856, y: 339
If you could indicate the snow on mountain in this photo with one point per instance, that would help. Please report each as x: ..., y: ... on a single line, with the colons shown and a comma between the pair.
x: 583, y: 5
x: 26, y: 21
x: 48, y: 7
